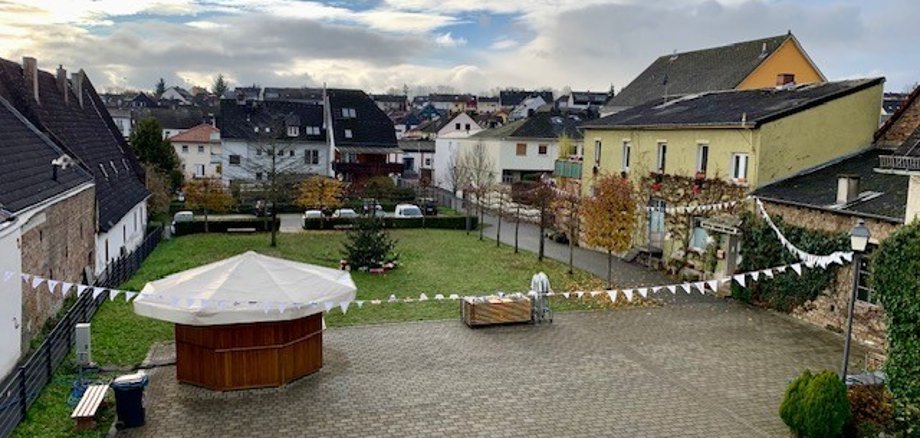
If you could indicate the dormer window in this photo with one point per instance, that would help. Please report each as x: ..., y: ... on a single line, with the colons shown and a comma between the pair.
x: 104, y: 173
x: 348, y: 133
x: 348, y: 113
x: 114, y: 169
x: 312, y: 130
x: 293, y: 131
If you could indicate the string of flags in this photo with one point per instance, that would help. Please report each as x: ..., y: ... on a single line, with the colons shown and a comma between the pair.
x: 694, y: 208
x: 810, y: 260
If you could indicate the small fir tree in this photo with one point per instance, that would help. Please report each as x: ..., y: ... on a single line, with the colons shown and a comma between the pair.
x: 368, y: 245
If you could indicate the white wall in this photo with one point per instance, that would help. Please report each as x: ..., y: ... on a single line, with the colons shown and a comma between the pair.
x: 250, y: 163
x: 913, y: 199
x: 128, y: 233
x: 509, y: 160
x: 11, y: 293
x: 464, y: 119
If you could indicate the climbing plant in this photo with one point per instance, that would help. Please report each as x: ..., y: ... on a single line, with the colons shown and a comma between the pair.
x: 896, y: 279
x: 761, y: 249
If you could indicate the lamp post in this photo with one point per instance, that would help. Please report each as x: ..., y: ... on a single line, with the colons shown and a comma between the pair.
x: 859, y: 239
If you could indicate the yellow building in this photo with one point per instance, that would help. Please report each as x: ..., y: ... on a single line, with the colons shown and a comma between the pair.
x: 717, y: 146
x: 746, y: 65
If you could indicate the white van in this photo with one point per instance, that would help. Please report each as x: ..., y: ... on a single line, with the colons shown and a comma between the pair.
x: 181, y: 216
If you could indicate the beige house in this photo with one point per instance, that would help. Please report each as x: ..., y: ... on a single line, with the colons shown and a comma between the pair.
x: 199, y: 150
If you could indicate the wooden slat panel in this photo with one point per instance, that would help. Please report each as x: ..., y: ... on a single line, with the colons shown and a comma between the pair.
x: 90, y: 402
x: 499, y: 311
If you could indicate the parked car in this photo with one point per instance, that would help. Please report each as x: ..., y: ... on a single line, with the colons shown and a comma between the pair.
x: 429, y: 206
x: 345, y: 213
x: 407, y: 210
x: 312, y: 214
x: 181, y: 216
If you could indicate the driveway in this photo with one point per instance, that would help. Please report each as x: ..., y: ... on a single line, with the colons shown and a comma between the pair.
x: 695, y: 370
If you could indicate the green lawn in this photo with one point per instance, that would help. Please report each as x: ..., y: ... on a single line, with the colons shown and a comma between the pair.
x: 432, y: 261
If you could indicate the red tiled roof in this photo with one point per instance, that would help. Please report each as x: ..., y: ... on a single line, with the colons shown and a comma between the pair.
x: 197, y: 134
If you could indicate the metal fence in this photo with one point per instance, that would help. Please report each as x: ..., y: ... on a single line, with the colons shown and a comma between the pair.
x: 23, y: 386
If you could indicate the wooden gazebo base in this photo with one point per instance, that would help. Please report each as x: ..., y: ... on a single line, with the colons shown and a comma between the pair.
x: 243, y: 356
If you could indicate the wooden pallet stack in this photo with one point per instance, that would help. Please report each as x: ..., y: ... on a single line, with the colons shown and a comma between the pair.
x: 495, y: 310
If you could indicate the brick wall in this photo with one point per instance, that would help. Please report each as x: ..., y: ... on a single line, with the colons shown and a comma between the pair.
x: 830, y: 309
x: 58, y: 244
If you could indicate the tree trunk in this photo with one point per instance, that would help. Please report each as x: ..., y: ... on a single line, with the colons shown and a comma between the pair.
x: 466, y: 202
x: 517, y: 225
x: 498, y: 229
x: 205, y: 220
x: 481, y: 213
x: 609, y: 269
x: 274, y: 229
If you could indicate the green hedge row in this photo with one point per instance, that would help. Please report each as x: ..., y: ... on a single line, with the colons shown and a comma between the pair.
x: 221, y: 226
x: 439, y: 222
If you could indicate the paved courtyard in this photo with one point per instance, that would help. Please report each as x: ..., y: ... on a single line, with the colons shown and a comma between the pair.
x: 704, y: 369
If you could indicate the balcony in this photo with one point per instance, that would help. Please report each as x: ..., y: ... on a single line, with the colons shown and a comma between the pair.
x: 568, y: 169
x: 367, y: 169
x: 899, y: 162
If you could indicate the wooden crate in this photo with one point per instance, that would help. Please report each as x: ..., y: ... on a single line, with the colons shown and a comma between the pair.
x: 495, y: 311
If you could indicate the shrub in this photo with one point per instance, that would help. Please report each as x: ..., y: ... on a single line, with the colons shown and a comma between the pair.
x: 895, y: 279
x: 218, y: 225
x: 368, y: 244
x: 871, y: 409
x: 816, y: 406
x: 438, y: 222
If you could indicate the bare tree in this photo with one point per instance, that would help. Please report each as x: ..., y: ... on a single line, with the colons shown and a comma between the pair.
x: 479, y: 168
x: 456, y: 172
x: 275, y: 170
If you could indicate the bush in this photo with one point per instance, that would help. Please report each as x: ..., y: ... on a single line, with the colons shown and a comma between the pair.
x: 816, y: 406
x: 871, y: 409
x: 895, y: 267
x: 368, y: 244
x: 216, y: 225
x: 437, y: 222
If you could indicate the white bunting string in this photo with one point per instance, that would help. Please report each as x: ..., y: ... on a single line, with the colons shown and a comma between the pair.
x: 689, y: 209
x: 810, y: 260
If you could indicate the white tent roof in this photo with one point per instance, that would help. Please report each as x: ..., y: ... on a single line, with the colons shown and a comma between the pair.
x: 249, y: 287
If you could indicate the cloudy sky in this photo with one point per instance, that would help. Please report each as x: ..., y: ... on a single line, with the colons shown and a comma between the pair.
x: 471, y: 45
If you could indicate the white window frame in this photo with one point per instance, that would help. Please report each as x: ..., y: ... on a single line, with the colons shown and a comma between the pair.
x: 627, y: 155
x: 348, y: 133
x: 662, y: 160
x: 200, y: 149
x: 293, y: 131
x: 348, y: 113
x: 740, y: 161
x: 700, y: 165
x: 697, y: 222
x: 185, y: 149
x: 598, y: 148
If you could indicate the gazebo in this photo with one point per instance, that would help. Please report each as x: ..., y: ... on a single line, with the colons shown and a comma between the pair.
x: 248, y: 321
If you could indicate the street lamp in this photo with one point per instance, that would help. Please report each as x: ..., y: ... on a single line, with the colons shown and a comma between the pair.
x: 859, y: 239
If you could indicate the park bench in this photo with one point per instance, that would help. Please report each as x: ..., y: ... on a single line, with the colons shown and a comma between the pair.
x: 85, y: 413
x: 241, y: 230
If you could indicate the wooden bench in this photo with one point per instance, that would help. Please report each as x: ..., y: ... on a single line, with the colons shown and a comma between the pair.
x: 85, y: 413
x: 241, y: 230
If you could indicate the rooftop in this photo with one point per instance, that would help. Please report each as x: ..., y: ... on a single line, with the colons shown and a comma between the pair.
x: 198, y: 134
x: 540, y: 125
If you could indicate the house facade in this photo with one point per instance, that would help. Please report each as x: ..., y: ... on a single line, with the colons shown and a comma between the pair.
x: 71, y: 112
x: 715, y: 147
x: 199, y: 150
x: 526, y: 108
x: 487, y: 104
x: 391, y: 102
x: 747, y: 65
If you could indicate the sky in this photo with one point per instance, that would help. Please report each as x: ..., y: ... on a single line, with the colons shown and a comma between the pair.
x: 468, y: 45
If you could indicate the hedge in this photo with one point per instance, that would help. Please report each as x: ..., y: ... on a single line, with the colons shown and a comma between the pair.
x: 221, y: 226
x: 439, y: 222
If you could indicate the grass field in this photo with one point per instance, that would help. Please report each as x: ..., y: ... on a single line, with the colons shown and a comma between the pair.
x: 432, y: 262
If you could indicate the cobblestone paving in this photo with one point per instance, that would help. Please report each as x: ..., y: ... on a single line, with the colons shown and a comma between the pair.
x: 709, y: 369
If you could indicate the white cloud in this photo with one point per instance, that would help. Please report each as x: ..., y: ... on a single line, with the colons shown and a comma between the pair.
x: 447, y: 40
x: 504, y: 44
x: 205, y: 24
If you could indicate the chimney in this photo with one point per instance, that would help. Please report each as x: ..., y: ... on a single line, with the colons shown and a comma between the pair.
x: 76, y: 81
x: 30, y: 74
x: 847, y: 188
x: 62, y: 84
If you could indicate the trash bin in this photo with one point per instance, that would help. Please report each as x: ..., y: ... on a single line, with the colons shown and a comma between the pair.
x: 129, y: 400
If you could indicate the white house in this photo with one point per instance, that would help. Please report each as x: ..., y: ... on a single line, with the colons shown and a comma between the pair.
x: 199, y: 150
x: 581, y: 100
x: 517, y: 151
x: 527, y: 108
x: 177, y: 95
x: 485, y: 104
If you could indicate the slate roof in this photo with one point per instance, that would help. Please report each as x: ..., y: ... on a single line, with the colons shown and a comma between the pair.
x: 588, y: 98
x: 25, y: 167
x: 370, y: 127
x: 197, y: 134
x: 238, y: 122
x: 817, y: 188
x: 728, y: 108
x: 172, y: 118
x: 515, y: 97
x: 87, y: 132
x: 144, y: 101
x: 717, y: 68
x: 488, y: 99
x: 394, y: 98
x: 911, y: 146
x: 298, y: 94
x: 537, y: 126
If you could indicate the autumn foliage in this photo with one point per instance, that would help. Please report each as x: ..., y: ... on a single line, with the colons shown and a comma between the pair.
x: 610, y: 215
x: 320, y: 192
x: 209, y: 195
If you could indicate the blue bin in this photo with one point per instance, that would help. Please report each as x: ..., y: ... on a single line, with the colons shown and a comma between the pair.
x: 129, y: 400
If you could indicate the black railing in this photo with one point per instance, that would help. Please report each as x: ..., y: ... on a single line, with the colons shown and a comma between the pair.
x: 22, y: 387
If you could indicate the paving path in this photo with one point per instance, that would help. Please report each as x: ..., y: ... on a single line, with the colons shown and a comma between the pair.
x: 694, y: 370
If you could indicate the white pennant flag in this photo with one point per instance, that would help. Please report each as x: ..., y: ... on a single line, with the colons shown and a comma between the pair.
x: 344, y: 306
x: 613, y: 296
x: 359, y: 303
x: 454, y: 297
x: 130, y: 295
x: 81, y: 289
x: 713, y: 285
x: 423, y: 297
x: 628, y: 293
x: 767, y: 273
x: 700, y: 286
x: 65, y: 288
x: 565, y: 294
x: 97, y: 292
x: 672, y: 288
x: 686, y: 287
x: 595, y: 293
x: 848, y: 256
x: 52, y: 284
x: 25, y: 277
x: 797, y: 267
x: 755, y: 275
x: 392, y: 299
x: 579, y: 294
x: 113, y: 293
x: 739, y: 278
x: 643, y: 291
x: 328, y: 305
x: 281, y: 307
x: 836, y: 258
x: 781, y: 269
x: 439, y: 297
x: 36, y: 281
x: 656, y: 289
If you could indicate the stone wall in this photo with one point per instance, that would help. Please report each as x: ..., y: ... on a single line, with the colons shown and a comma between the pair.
x: 830, y: 309
x: 56, y: 243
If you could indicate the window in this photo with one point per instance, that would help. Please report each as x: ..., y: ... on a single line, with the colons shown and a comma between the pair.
x: 258, y: 151
x: 234, y: 160
x: 467, y: 126
x: 457, y: 126
x: 293, y: 131
x: 699, y: 239
x: 348, y: 113
x: 541, y: 149
x: 350, y: 157
x: 291, y: 153
x: 597, y: 153
x: 200, y: 149
x: 427, y: 162
x: 312, y: 130
x: 104, y: 173
x: 199, y: 170
x: 702, y: 157
x: 258, y: 176
x: 739, y: 167
x: 348, y: 133
x: 409, y: 163
x: 864, y: 291
x: 521, y: 149
x: 311, y: 156
x: 627, y: 152
x: 185, y: 149
x: 662, y: 156
x: 280, y: 152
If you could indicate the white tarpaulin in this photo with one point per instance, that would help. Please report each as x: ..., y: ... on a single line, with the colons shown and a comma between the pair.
x: 235, y: 290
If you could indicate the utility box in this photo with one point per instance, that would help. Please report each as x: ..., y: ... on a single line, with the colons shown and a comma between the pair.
x: 83, y: 344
